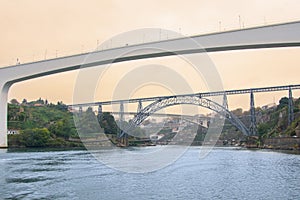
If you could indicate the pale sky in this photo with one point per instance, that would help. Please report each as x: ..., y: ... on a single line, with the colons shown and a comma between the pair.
x: 35, y: 29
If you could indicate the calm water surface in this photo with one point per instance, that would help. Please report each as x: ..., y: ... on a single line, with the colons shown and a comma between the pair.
x: 223, y: 174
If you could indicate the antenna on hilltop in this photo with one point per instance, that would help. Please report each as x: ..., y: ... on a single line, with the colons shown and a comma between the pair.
x: 18, y: 61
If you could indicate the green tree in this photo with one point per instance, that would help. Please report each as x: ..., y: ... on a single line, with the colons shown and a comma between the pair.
x: 108, y: 123
x: 14, y: 101
x: 284, y: 101
x: 24, y: 101
x: 37, y: 137
x: 238, y: 112
x: 61, y: 106
x: 62, y: 128
x: 87, y: 122
x: 263, y: 128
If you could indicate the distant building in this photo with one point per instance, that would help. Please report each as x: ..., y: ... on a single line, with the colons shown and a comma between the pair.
x: 38, y: 105
x: 72, y: 110
x: 13, y: 132
x: 269, y: 106
x: 21, y: 109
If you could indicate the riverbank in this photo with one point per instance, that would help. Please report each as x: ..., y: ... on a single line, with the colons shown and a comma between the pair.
x: 44, y: 149
x: 284, y: 143
x: 277, y: 143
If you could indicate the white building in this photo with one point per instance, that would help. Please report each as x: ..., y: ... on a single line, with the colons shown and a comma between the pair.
x: 12, y: 132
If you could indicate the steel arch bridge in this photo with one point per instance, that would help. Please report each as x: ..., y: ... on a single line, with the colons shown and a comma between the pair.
x: 191, y: 100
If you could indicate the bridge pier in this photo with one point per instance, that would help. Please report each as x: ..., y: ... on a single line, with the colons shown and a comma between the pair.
x: 100, y: 110
x: 3, y: 116
x: 140, y: 106
x: 291, y: 107
x: 124, y: 140
x: 123, y: 137
x: 253, y: 116
x: 121, y: 115
x: 225, y: 101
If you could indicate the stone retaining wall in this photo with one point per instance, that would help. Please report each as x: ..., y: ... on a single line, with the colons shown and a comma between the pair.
x: 290, y: 143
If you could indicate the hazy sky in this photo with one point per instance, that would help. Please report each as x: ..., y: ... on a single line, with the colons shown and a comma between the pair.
x: 37, y: 29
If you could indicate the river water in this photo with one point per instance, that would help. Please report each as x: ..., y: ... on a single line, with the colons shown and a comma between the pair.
x: 226, y: 173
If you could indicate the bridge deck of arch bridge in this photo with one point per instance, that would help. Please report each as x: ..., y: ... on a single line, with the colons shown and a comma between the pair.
x: 204, y: 94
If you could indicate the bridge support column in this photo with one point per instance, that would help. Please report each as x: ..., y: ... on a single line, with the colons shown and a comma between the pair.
x: 121, y: 119
x: 3, y: 114
x: 253, y: 116
x: 291, y: 107
x: 225, y: 101
x: 121, y: 115
x: 225, y: 104
x: 140, y: 106
x: 124, y: 140
x: 122, y: 136
x: 100, y: 110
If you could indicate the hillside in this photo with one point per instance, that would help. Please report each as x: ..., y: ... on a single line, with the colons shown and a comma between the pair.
x: 274, y: 122
x: 41, y: 124
x: 273, y: 130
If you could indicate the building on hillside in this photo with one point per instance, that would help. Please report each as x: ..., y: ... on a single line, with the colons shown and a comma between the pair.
x: 13, y: 132
x: 38, y: 105
x: 269, y: 106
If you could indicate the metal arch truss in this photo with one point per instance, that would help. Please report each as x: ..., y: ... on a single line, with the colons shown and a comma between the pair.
x: 192, y: 100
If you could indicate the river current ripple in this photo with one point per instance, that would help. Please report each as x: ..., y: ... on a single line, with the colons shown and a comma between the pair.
x: 226, y: 173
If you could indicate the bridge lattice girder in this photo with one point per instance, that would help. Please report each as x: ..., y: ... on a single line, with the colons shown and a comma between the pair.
x: 192, y: 100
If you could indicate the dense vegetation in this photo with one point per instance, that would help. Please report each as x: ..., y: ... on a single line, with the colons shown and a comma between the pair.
x: 51, y: 125
x: 272, y: 121
x: 41, y: 124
